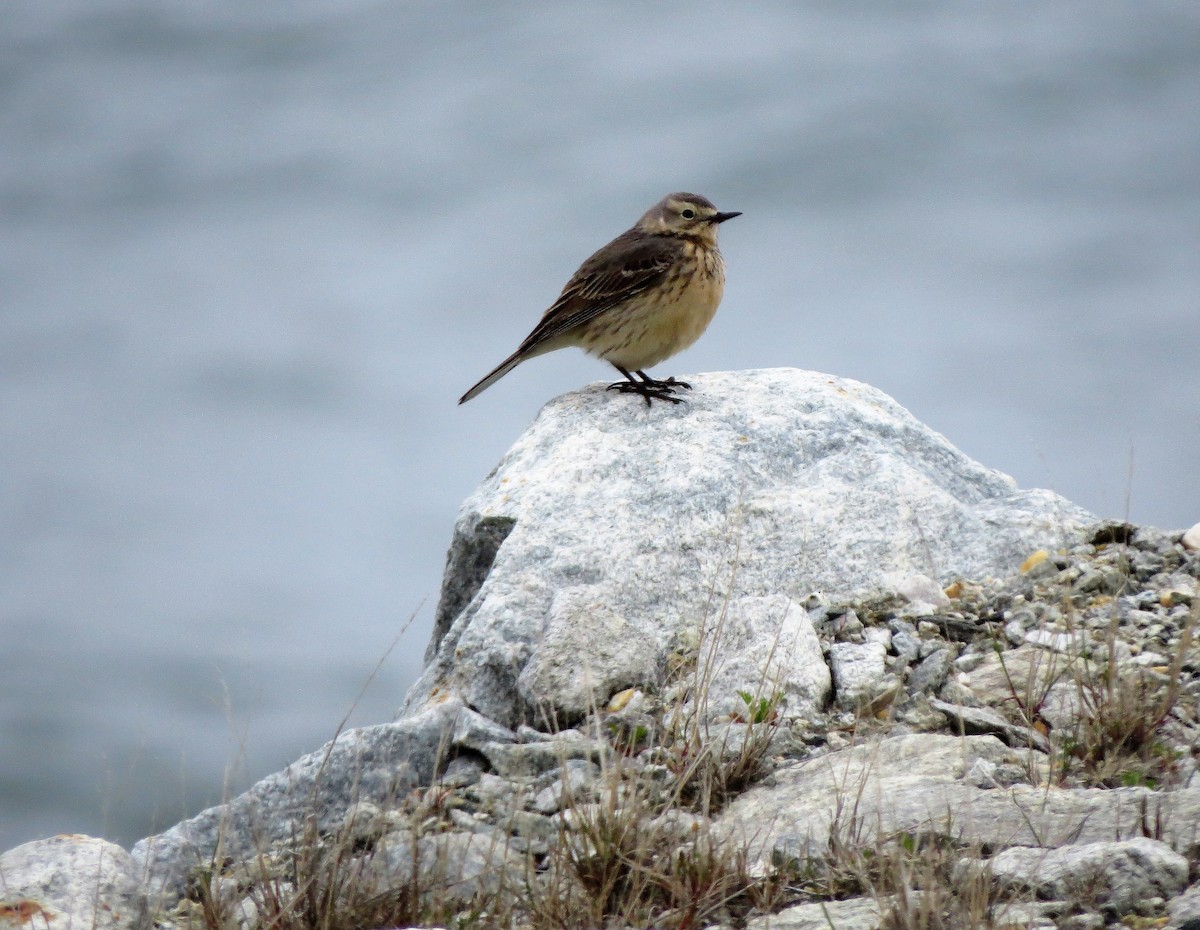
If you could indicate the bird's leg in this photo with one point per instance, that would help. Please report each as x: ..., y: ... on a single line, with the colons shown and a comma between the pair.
x: 669, y: 384
x: 647, y: 388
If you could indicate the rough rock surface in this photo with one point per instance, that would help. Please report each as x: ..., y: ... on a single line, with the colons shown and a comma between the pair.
x: 71, y: 881
x: 379, y: 764
x: 854, y: 914
x: 764, y: 647
x: 588, y: 653
x: 920, y: 783
x: 764, y: 483
x: 1117, y: 876
x: 858, y: 672
x: 452, y: 865
x: 1185, y: 910
x: 702, y: 595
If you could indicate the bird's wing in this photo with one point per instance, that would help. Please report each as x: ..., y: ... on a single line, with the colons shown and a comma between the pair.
x: 627, y: 266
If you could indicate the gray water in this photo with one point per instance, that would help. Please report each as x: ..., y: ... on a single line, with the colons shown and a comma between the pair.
x: 251, y: 254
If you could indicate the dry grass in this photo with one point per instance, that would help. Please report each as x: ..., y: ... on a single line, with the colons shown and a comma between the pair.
x: 624, y: 862
x: 927, y: 880
x: 1118, y: 735
x: 635, y: 847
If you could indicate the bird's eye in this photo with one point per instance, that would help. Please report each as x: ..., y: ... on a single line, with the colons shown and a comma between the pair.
x: 688, y: 214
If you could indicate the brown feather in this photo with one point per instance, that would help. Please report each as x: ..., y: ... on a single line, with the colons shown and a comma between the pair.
x: 639, y: 263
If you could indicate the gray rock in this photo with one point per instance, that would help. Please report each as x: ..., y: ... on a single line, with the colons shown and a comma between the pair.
x: 763, y: 483
x: 247, y: 914
x: 676, y: 827
x: 576, y: 787
x: 1036, y: 678
x: 1186, y: 907
x: 461, y: 771
x: 765, y: 647
x: 449, y: 867
x: 851, y: 914
x: 987, y: 774
x: 931, y: 673
x: 846, y: 627
x: 1090, y: 921
x: 528, y: 759
x: 529, y: 826
x: 880, y: 635
x: 924, y: 595
x: 1069, y: 643
x: 859, y: 672
x: 1025, y: 916
x: 474, y: 731
x: 71, y: 881
x: 887, y: 780
x: 379, y: 764
x: 906, y: 646
x: 917, y: 782
x: 1117, y: 875
x: 364, y: 823
x: 587, y: 652
x: 977, y: 720
x: 496, y: 793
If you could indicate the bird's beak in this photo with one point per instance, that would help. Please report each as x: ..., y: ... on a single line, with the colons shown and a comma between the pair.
x: 722, y: 217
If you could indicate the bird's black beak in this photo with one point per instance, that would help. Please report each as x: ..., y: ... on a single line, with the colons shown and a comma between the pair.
x: 722, y: 217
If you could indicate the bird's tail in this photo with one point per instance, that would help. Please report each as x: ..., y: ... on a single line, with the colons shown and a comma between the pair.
x: 495, y: 375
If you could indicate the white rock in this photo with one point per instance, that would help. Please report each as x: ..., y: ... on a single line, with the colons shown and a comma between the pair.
x: 586, y: 654
x: 859, y: 672
x: 924, y: 595
x: 879, y: 634
x: 453, y: 867
x: 982, y: 773
x: 1191, y: 538
x: 1120, y: 874
x: 1185, y: 907
x: 851, y: 914
x: 765, y: 647
x: 763, y: 483
x: 1070, y: 643
x: 379, y: 764
x: 72, y: 881
x: 922, y: 783
x: 247, y: 914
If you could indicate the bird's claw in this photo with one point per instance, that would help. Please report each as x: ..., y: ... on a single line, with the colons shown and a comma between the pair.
x: 658, y: 390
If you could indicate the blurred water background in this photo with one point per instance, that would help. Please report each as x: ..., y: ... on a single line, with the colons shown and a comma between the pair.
x: 251, y: 254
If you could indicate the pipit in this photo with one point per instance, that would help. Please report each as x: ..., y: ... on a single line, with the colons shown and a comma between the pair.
x: 645, y: 296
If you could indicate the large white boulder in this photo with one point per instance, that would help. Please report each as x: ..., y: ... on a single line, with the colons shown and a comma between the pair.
x: 71, y: 881
x: 665, y: 522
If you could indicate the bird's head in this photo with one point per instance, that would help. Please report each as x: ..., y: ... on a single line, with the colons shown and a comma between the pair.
x: 682, y: 214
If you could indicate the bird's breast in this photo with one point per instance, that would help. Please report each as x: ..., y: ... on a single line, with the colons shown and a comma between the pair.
x: 671, y: 317
x: 686, y: 318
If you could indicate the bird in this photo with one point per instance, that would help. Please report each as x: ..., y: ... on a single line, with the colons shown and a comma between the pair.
x: 647, y: 295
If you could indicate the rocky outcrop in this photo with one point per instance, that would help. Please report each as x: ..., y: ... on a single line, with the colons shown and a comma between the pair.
x: 653, y: 522
x: 944, y: 784
x: 752, y: 660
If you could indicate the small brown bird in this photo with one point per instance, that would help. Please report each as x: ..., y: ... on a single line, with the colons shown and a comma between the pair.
x: 645, y: 296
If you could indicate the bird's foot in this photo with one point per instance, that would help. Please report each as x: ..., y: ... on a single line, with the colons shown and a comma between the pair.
x: 649, y: 387
x: 656, y: 390
x: 670, y: 384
